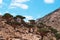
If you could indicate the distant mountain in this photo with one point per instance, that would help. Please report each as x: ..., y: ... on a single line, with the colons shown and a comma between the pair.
x: 52, y: 19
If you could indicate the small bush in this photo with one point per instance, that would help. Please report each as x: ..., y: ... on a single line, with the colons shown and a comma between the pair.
x: 53, y: 30
x: 43, y: 30
x: 57, y: 35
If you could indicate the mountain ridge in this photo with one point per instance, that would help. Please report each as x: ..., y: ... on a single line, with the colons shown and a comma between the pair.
x: 51, y: 18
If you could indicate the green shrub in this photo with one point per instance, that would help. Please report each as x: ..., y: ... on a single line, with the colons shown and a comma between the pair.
x: 7, y: 15
x: 57, y: 35
x: 43, y: 30
x: 53, y: 30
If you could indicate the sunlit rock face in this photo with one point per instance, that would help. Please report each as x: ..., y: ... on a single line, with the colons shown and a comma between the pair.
x: 52, y: 19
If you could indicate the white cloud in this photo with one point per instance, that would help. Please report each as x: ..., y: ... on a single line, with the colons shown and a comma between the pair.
x: 0, y: 1
x: 23, y: 6
x: 49, y: 1
x: 19, y: 3
x: 28, y: 18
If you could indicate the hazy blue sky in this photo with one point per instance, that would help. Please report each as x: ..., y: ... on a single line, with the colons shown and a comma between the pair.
x: 31, y: 9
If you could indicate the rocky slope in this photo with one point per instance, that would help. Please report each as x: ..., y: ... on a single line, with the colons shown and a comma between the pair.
x: 52, y: 19
x: 7, y: 32
x: 12, y: 29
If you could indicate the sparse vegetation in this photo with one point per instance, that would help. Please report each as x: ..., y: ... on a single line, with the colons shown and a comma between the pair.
x: 32, y: 22
x: 57, y: 35
x: 7, y: 16
x: 18, y: 21
x: 19, y: 16
x: 53, y: 30
x: 43, y: 32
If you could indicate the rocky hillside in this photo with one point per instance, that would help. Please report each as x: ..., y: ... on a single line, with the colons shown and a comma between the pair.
x: 8, y: 32
x: 52, y: 19
x: 15, y: 28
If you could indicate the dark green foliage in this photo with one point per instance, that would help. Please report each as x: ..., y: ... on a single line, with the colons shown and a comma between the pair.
x: 32, y: 20
x: 53, y: 30
x: 7, y: 15
x: 19, y: 16
x: 43, y: 30
x: 57, y: 35
x: 10, y: 17
x: 14, y: 17
x: 16, y: 23
x: 31, y: 25
x: 41, y: 23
